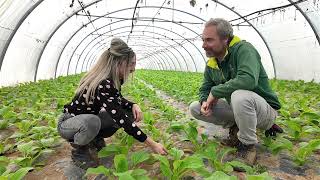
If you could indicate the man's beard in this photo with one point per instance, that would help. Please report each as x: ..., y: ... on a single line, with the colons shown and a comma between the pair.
x: 215, y: 54
x: 211, y: 54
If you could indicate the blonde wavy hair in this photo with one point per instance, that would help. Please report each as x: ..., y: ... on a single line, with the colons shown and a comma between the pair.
x: 108, y: 66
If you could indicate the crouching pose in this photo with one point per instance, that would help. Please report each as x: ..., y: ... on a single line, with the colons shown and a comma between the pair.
x: 98, y: 109
x: 234, y: 72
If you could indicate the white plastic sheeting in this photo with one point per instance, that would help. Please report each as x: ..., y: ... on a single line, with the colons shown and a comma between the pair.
x: 43, y: 39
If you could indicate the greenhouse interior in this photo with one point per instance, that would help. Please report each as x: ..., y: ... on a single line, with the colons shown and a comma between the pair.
x: 159, y: 89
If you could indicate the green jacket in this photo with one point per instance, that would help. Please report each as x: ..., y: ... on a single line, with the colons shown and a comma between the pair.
x: 240, y: 69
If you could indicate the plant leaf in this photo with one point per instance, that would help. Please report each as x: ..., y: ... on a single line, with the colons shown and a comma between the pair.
x: 263, y: 176
x: 176, y: 126
x: 121, y: 163
x: 124, y: 175
x: 138, y: 157
x: 176, y: 153
x: 192, y: 132
x: 221, y: 176
x: 164, y: 165
x: 20, y: 173
x: 248, y: 169
x: 98, y: 170
x: 4, y: 161
x: 111, y: 149
x: 2, y: 169
x: 139, y: 173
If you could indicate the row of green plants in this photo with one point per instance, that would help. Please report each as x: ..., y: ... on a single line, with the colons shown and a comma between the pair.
x: 299, y: 115
x: 28, y: 115
x: 31, y: 110
x: 177, y: 164
x: 182, y: 86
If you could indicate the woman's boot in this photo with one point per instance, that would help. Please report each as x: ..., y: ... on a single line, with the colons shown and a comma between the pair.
x: 81, y: 156
x: 96, y: 145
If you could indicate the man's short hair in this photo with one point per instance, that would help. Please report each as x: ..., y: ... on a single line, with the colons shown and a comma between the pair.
x: 224, y: 28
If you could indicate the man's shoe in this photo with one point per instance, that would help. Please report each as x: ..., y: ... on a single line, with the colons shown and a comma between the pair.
x: 81, y: 156
x: 246, y: 154
x: 232, y: 140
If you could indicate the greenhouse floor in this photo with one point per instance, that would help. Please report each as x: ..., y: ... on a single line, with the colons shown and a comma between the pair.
x: 279, y: 166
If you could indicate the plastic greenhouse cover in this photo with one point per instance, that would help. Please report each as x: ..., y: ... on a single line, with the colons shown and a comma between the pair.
x: 45, y: 39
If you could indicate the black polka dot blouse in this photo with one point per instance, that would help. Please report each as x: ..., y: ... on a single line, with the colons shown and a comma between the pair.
x: 107, y: 98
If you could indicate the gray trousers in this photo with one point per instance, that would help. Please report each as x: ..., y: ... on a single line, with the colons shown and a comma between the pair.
x: 248, y: 111
x: 83, y: 128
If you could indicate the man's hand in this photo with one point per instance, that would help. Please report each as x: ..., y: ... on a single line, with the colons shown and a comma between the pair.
x: 137, y: 113
x: 273, y: 131
x: 211, y: 101
x: 204, y: 109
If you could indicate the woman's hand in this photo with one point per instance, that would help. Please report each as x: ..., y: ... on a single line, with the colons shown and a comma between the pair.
x: 156, y: 147
x: 137, y: 113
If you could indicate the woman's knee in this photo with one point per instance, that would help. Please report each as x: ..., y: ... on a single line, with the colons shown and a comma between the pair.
x: 91, y: 122
x: 64, y: 128
x: 89, y: 128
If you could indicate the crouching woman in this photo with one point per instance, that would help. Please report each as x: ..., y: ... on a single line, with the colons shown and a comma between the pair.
x: 98, y: 109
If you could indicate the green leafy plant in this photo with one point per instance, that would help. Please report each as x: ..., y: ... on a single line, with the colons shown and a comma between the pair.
x: 4, y: 124
x: 18, y: 175
x: 263, y: 176
x: 33, y: 109
x: 216, y: 155
x: 277, y: 145
x: 178, y: 167
x: 113, y: 149
x: 190, y: 130
x: 221, y: 175
x: 124, y: 169
x: 300, y: 156
x: 312, y: 117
